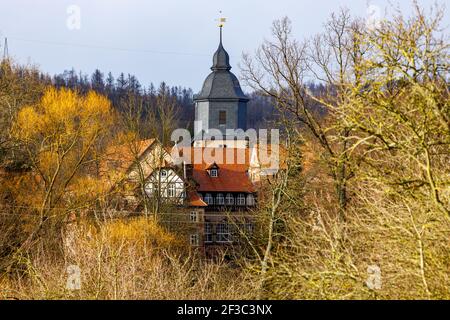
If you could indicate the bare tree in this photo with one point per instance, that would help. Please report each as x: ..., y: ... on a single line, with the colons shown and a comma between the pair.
x: 399, y: 108
x: 280, y: 69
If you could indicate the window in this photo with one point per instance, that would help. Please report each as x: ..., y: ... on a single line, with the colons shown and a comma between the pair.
x: 208, y: 233
x: 209, y: 199
x: 163, y: 173
x: 241, y: 200
x: 194, y: 240
x: 223, y: 233
x: 151, y: 189
x: 220, y: 200
x: 171, y: 190
x: 213, y: 173
x: 193, y: 216
x: 250, y: 200
x: 222, y: 117
x: 229, y: 199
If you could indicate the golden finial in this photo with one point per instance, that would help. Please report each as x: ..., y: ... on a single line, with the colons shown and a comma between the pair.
x: 221, y: 20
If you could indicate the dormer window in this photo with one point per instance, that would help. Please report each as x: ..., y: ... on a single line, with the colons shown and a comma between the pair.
x: 213, y: 170
x: 163, y: 173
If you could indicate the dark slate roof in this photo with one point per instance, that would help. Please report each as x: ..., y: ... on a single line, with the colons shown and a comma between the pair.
x: 221, y: 59
x: 221, y: 83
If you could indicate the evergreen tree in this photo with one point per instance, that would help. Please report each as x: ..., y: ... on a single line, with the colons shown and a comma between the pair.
x: 97, y: 82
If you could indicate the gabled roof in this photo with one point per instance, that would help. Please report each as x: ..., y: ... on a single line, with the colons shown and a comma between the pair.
x: 122, y: 157
x: 168, y: 167
x: 212, y: 166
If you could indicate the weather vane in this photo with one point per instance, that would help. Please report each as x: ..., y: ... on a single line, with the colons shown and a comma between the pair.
x: 221, y: 20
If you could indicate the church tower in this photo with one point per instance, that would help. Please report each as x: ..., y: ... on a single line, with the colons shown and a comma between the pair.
x: 221, y: 104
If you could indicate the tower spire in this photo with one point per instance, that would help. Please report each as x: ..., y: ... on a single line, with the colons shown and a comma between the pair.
x: 221, y: 60
x: 221, y: 103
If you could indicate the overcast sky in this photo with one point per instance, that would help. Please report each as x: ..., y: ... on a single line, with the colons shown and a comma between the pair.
x: 156, y: 39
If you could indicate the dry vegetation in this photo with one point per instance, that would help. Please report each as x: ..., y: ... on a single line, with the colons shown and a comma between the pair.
x: 122, y: 260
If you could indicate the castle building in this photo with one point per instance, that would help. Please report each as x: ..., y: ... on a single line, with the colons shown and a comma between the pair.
x: 215, y: 193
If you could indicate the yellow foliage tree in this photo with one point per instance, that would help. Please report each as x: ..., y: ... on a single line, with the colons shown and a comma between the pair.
x: 60, y: 135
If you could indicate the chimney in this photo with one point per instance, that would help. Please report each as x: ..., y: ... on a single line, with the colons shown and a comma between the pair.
x: 188, y: 170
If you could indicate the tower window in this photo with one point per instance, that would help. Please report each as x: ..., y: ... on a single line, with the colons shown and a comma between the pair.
x: 222, y: 117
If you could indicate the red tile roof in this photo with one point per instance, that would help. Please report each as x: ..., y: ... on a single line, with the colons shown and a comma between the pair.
x: 121, y: 157
x: 194, y: 200
x: 230, y: 179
